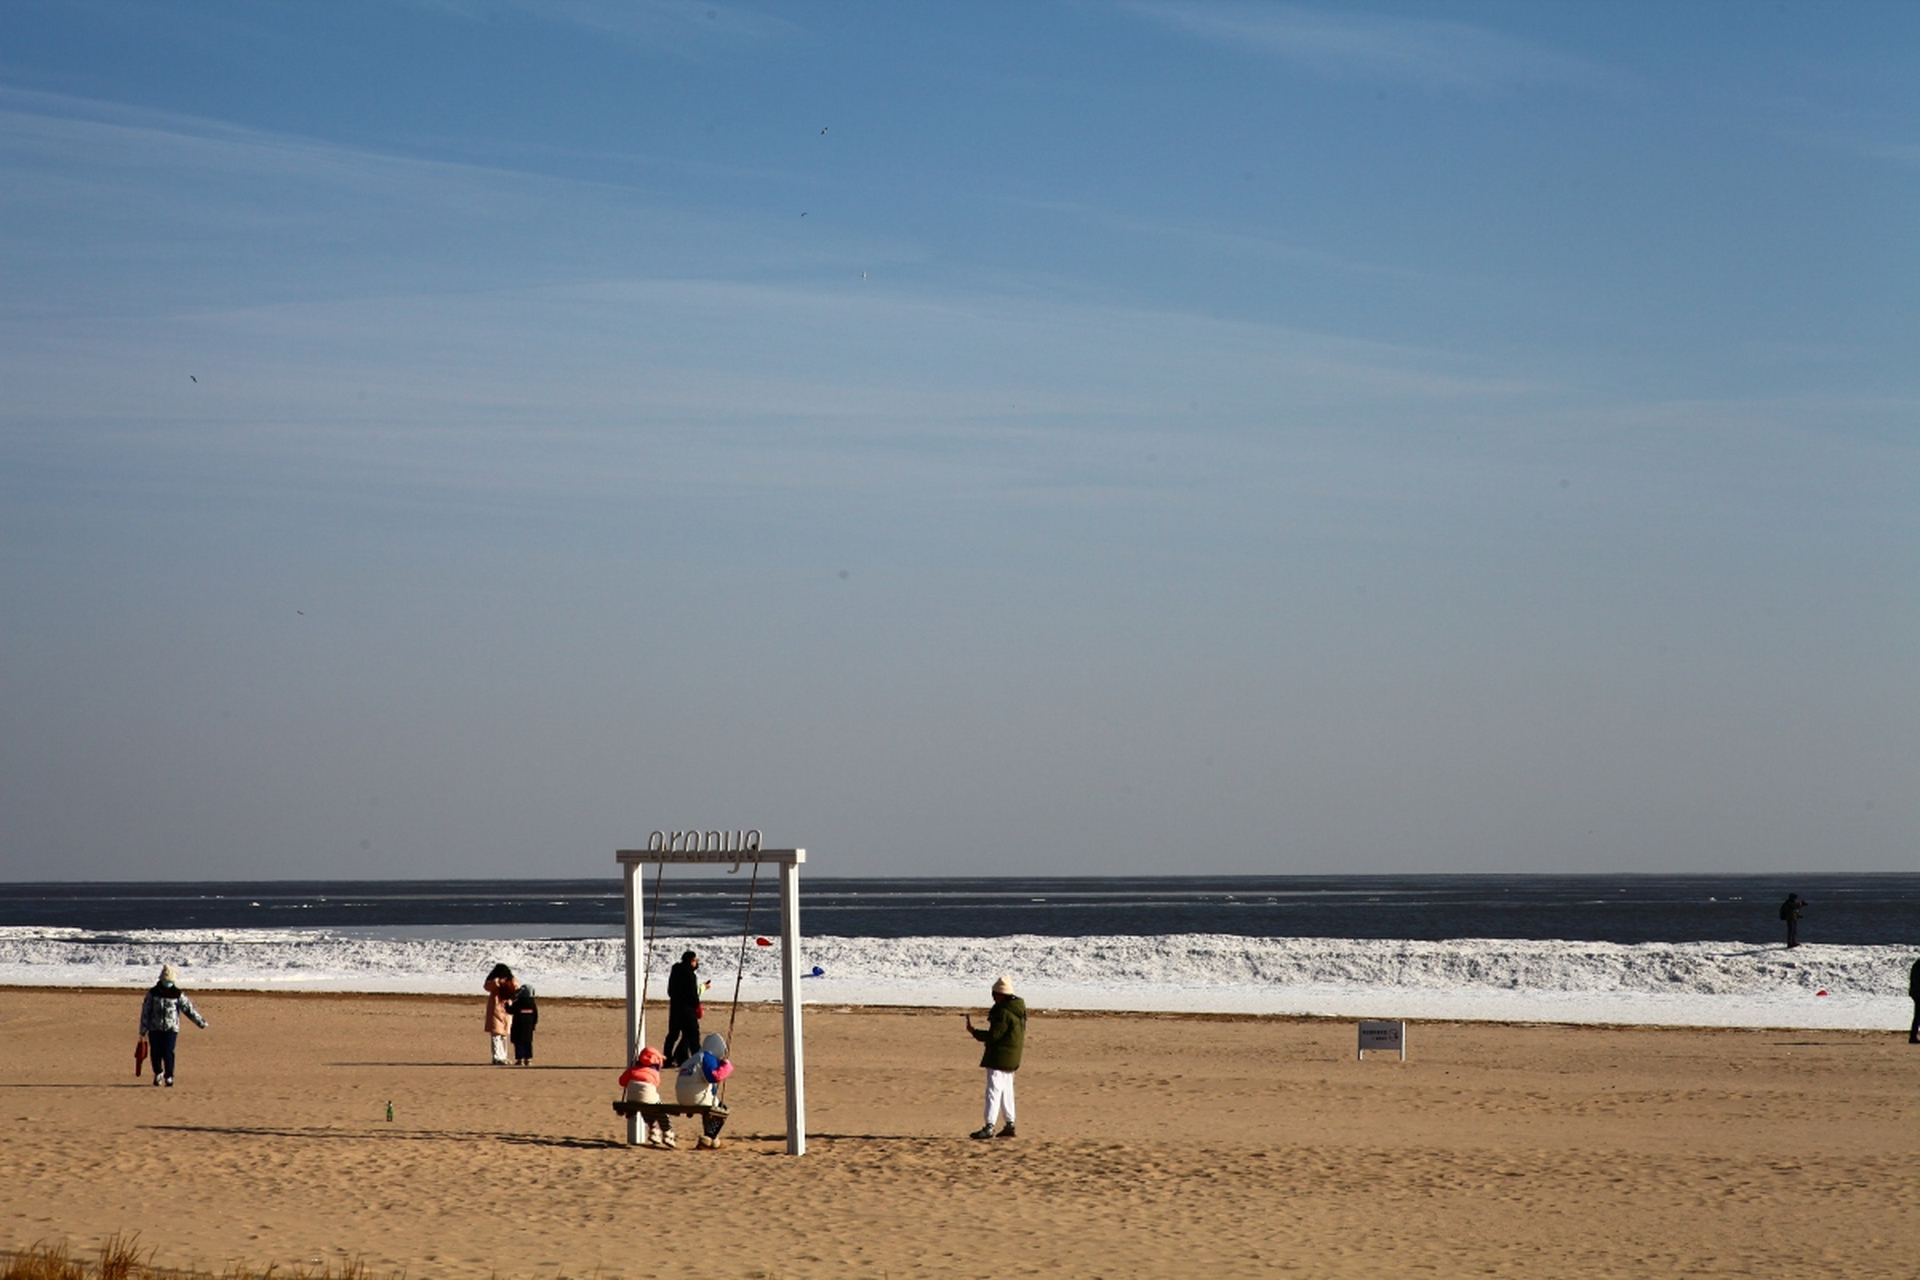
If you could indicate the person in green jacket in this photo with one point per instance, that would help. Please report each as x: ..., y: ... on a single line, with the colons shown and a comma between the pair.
x: 1004, y: 1036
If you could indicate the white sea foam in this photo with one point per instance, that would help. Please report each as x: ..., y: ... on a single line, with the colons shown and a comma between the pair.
x: 1681, y: 984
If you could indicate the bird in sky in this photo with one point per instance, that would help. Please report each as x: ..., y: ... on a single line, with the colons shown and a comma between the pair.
x: 823, y: 132
x: 191, y: 378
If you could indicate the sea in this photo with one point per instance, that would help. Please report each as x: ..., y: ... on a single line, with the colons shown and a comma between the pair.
x: 1639, y: 949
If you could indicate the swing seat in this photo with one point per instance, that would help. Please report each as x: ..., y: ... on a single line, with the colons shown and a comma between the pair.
x: 660, y: 1110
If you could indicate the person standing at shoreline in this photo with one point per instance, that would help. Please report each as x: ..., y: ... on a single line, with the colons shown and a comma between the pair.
x: 1005, y: 1035
x: 499, y: 1022
x: 1913, y: 989
x: 160, y: 1022
x: 1790, y: 912
x: 683, y: 1010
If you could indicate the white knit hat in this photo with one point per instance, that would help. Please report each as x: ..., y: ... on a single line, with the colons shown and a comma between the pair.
x: 166, y: 973
x: 1004, y: 986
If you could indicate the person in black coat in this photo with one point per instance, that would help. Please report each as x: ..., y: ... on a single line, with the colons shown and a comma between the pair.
x: 1790, y: 912
x: 1913, y: 989
x: 683, y: 1010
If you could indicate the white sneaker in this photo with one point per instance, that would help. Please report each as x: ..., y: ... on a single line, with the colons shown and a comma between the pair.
x: 708, y: 1144
x: 667, y: 1140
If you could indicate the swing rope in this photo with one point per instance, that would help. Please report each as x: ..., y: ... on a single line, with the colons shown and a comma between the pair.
x: 646, y: 969
x: 740, y: 967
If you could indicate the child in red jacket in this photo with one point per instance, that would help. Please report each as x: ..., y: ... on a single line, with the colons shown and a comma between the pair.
x: 642, y: 1083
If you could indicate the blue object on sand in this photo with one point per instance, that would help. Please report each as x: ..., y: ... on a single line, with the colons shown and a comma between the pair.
x: 818, y: 972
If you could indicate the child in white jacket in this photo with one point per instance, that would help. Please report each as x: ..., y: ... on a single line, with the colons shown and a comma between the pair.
x: 697, y: 1086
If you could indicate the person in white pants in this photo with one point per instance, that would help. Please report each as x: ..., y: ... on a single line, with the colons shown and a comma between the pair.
x: 1000, y: 1102
x: 499, y: 1020
x: 1005, y: 1036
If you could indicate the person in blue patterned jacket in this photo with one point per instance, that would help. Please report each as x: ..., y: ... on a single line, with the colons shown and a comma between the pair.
x: 160, y: 1022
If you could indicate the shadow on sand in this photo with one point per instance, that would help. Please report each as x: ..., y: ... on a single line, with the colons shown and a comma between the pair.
x: 477, y: 1066
x: 391, y: 1135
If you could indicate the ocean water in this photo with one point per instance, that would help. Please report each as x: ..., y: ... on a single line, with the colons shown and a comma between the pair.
x: 1684, y: 950
x: 1846, y: 909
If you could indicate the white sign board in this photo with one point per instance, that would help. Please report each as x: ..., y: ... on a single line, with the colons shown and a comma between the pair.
x: 1383, y: 1035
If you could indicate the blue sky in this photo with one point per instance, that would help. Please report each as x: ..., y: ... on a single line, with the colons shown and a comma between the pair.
x: 454, y: 438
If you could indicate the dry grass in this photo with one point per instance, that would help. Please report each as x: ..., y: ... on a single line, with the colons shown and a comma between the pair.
x: 121, y: 1259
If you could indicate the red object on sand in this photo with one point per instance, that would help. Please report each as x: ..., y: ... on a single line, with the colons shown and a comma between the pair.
x: 763, y: 942
x: 139, y: 1054
x: 1821, y: 992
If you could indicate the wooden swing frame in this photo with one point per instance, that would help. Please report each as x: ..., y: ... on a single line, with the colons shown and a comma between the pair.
x: 639, y: 945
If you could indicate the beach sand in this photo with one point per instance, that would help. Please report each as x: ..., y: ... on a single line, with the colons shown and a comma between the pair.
x: 1150, y: 1146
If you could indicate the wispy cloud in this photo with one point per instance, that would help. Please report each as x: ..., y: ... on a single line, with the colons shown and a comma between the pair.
x: 1904, y: 154
x: 679, y: 388
x: 1242, y: 245
x: 122, y: 208
x: 52, y: 130
x: 666, y: 21
x: 1434, y: 55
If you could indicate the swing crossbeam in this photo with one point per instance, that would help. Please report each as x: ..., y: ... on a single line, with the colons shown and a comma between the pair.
x: 632, y: 861
x: 738, y: 857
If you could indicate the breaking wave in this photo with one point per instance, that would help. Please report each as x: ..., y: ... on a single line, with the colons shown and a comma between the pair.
x: 1692, y: 983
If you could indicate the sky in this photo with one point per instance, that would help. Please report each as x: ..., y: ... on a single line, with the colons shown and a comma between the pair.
x: 460, y: 437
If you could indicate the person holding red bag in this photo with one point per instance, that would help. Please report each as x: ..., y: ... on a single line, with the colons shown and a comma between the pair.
x: 160, y: 1023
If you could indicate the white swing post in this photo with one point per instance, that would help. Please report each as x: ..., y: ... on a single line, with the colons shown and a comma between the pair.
x: 693, y: 847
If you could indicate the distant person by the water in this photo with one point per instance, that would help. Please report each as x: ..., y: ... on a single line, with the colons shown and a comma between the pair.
x: 523, y: 1016
x: 1913, y: 989
x: 160, y: 1022
x: 1790, y: 912
x: 1004, y: 1035
x: 683, y: 1010
x: 499, y: 1021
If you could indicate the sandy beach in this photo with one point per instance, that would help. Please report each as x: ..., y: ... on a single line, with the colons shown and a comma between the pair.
x: 1150, y: 1145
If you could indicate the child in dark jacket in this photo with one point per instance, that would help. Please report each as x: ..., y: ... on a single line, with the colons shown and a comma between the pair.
x: 524, y: 1016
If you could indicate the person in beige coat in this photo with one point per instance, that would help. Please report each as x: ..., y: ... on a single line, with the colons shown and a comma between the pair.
x: 499, y: 1018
